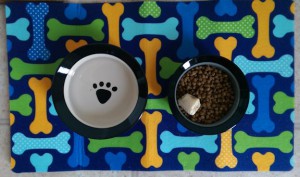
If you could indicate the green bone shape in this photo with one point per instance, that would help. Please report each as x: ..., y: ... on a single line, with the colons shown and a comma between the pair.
x: 58, y: 29
x: 280, y: 142
x: 158, y: 104
x: 282, y: 102
x: 149, y: 7
x: 132, y: 142
x: 20, y: 68
x: 188, y: 161
x: 168, y: 67
x: 208, y: 27
x: 21, y: 105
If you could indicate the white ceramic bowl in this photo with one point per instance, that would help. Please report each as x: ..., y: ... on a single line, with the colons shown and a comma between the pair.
x: 99, y: 91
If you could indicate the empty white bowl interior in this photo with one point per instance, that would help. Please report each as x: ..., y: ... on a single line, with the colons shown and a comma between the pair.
x: 101, y: 90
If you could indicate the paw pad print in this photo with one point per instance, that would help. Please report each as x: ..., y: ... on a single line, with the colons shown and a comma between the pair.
x: 104, y: 91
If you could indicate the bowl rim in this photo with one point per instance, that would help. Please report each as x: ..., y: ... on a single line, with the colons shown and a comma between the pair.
x: 59, y: 99
x: 243, y: 96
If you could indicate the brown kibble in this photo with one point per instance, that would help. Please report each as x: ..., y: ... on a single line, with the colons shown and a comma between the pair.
x: 214, y: 89
x: 193, y: 73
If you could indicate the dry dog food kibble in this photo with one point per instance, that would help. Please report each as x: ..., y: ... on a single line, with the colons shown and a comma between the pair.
x: 214, y: 89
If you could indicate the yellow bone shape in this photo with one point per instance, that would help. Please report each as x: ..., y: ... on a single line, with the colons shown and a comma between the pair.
x: 113, y: 14
x: 151, y: 156
x: 72, y: 45
x: 150, y: 49
x: 40, y: 124
x: 11, y: 119
x: 12, y: 163
x: 226, y: 157
x: 226, y: 46
x: 263, y: 46
x: 292, y: 8
x: 263, y: 162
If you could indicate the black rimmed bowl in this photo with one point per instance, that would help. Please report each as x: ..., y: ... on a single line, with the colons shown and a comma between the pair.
x: 239, y: 85
x: 99, y: 91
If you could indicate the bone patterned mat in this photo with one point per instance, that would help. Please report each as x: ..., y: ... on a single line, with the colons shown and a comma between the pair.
x: 257, y: 36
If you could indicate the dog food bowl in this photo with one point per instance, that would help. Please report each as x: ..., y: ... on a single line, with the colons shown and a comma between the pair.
x: 99, y: 91
x: 238, y: 84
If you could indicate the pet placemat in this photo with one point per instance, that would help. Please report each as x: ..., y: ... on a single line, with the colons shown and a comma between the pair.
x: 256, y: 35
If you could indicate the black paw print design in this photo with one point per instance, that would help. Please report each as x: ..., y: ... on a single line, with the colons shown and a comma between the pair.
x: 103, y: 92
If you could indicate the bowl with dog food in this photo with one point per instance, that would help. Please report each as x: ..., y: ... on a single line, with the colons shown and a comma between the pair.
x: 209, y: 94
x: 99, y: 91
